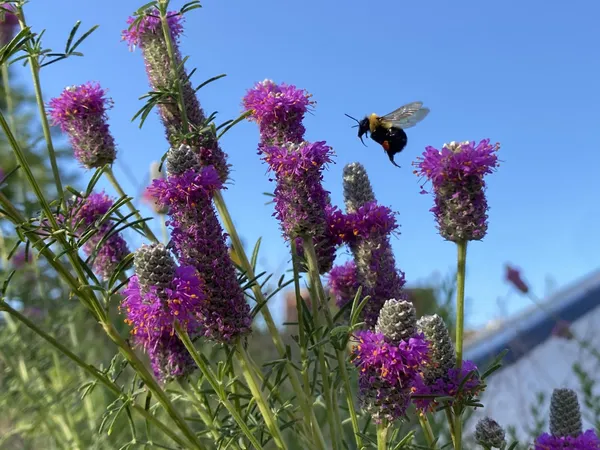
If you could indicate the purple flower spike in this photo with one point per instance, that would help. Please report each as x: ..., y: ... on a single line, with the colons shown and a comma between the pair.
x: 585, y: 441
x: 456, y: 173
x: 8, y: 23
x: 343, y: 284
x: 366, y: 228
x: 147, y: 34
x: 278, y: 109
x: 199, y: 241
x: 152, y: 315
x: 80, y: 111
x: 114, y: 249
x: 299, y: 196
x: 387, y: 372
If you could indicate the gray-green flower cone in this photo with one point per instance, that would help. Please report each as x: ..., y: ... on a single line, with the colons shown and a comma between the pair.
x: 154, y: 266
x: 565, y: 415
x: 489, y: 433
x: 179, y: 159
x: 442, y: 354
x: 357, y: 187
x: 397, y: 320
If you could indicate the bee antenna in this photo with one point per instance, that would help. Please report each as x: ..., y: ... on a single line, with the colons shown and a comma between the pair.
x: 356, y: 120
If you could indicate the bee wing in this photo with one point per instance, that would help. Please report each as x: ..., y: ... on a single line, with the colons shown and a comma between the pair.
x: 407, y: 116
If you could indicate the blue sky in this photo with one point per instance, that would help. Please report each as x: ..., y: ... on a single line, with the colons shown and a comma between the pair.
x: 521, y: 73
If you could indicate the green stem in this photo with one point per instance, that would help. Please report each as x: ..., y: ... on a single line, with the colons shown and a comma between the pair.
x: 152, y: 384
x: 460, y: 299
x: 37, y: 86
x: 303, y: 343
x: 10, y: 109
x: 313, y: 273
x: 174, y: 65
x: 460, y: 321
x: 212, y: 424
x: 113, y: 180
x: 332, y: 409
x: 99, y: 376
x: 382, y: 430
x: 305, y: 401
x: 427, y: 431
x: 215, y: 384
x: 451, y: 425
x: 259, y: 397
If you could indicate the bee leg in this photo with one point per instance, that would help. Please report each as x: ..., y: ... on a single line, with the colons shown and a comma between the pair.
x: 391, y: 156
x: 386, y: 148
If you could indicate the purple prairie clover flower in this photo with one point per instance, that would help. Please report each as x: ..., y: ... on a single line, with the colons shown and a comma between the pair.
x: 278, y: 109
x: 368, y: 231
x: 151, y: 314
x: 113, y: 249
x: 585, y: 441
x: 448, y: 386
x: 199, y: 241
x: 146, y: 32
x: 457, y: 173
x: 170, y: 360
x: 80, y: 111
x: 439, y: 376
x: 8, y: 23
x: 343, y: 284
x: 301, y: 203
x: 387, y: 372
x: 157, y: 295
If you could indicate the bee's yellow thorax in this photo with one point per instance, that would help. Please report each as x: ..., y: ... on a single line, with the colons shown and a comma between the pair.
x: 373, y: 122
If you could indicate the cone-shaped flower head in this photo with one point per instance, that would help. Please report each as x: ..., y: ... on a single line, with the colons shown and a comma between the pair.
x: 199, y: 241
x: 387, y: 372
x: 80, y: 111
x: 439, y: 377
x: 146, y: 32
x: 301, y: 204
x: 368, y: 227
x: 565, y: 416
x: 441, y: 348
x: 397, y: 320
x: 278, y: 109
x: 158, y: 294
x: 109, y: 252
x: 357, y: 187
x: 300, y: 199
x: 489, y: 433
x: 154, y: 266
x: 456, y: 173
x: 8, y: 23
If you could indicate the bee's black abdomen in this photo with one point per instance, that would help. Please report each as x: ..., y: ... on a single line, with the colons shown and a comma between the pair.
x: 393, y: 140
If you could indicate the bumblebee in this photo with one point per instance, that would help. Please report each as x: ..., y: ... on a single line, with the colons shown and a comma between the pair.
x: 388, y: 130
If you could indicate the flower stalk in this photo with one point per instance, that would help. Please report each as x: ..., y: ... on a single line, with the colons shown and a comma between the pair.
x: 215, y: 384
x: 382, y: 431
x: 321, y: 300
x: 259, y: 397
x: 460, y: 320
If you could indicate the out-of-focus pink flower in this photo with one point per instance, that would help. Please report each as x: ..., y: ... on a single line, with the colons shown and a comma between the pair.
x: 513, y: 276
